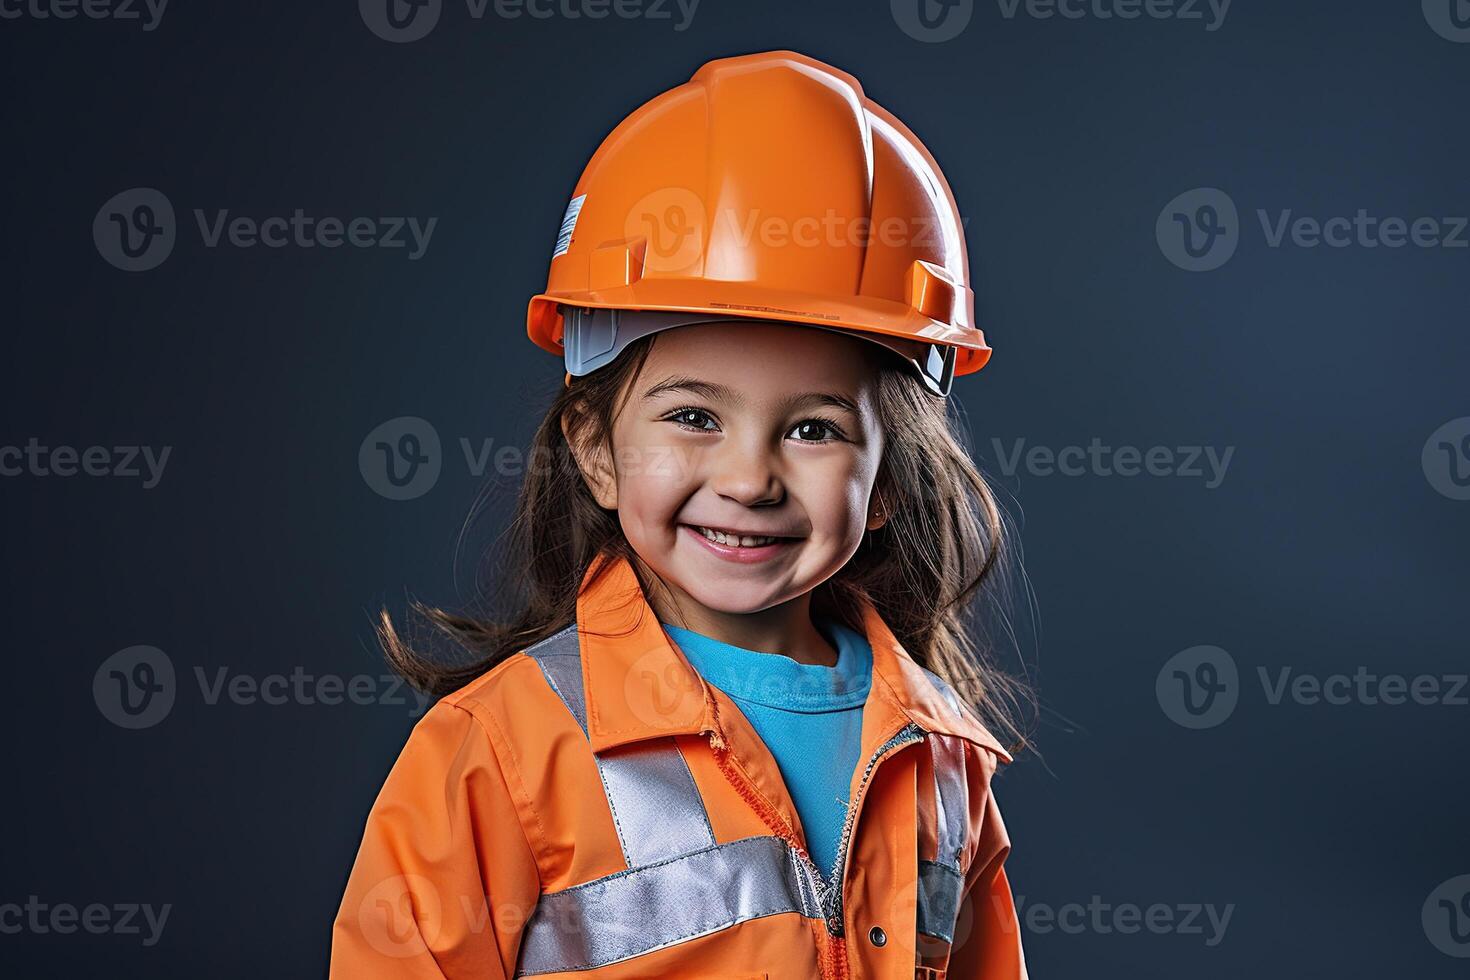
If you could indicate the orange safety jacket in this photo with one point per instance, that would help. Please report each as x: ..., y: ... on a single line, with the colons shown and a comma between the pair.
x: 590, y: 807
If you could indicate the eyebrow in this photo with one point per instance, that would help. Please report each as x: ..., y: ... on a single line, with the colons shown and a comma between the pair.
x: 719, y: 392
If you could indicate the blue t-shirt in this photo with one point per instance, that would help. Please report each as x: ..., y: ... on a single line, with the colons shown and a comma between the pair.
x: 809, y: 716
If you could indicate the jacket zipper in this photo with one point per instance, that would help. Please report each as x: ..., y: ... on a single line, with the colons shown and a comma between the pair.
x: 832, y: 899
x: 831, y: 957
x: 829, y: 893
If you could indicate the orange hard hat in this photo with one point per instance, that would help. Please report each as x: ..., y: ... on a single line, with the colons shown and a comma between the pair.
x: 767, y: 187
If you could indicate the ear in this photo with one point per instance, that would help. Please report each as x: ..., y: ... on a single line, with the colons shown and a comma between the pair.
x: 877, y: 512
x: 592, y: 457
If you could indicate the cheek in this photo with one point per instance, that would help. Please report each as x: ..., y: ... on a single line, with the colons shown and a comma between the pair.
x: 835, y: 494
x: 650, y: 483
x: 644, y: 498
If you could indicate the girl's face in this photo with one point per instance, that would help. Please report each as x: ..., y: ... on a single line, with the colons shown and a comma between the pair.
x: 757, y: 429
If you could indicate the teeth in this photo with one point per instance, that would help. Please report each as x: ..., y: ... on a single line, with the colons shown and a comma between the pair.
x: 735, y: 540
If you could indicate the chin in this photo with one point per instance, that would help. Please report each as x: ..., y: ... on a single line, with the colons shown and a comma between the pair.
x: 735, y: 600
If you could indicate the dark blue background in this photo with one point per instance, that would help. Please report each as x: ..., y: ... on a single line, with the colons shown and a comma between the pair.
x: 263, y: 549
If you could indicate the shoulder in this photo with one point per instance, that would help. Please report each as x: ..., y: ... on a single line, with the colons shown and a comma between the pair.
x: 504, y: 732
x: 518, y: 695
x: 491, y: 689
x: 968, y: 724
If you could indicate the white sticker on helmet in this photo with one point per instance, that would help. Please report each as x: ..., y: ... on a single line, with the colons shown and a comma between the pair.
x: 568, y: 222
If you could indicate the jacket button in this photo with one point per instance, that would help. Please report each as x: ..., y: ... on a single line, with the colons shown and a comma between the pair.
x: 877, y: 936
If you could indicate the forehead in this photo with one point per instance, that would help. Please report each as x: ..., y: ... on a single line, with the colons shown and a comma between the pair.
x: 763, y: 358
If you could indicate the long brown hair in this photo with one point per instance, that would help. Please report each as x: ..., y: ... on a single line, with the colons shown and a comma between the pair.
x: 939, y: 571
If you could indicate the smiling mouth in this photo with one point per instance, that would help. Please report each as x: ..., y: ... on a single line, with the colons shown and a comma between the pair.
x: 733, y: 539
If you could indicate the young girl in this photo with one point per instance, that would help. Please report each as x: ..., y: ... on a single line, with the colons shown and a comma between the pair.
x: 735, y: 730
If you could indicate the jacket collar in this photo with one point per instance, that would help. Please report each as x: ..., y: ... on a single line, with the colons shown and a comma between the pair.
x: 639, y: 684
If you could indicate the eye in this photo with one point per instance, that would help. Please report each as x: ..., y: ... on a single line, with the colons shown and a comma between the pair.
x: 690, y: 418
x: 818, y: 425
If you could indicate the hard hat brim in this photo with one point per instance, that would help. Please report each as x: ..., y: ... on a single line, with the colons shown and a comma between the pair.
x: 738, y: 299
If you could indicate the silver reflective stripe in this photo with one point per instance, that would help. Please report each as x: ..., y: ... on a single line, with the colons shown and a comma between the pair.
x: 939, y: 899
x: 950, y: 697
x: 560, y: 658
x: 940, y: 880
x: 640, y: 910
x: 951, y: 794
x: 655, y: 804
x: 951, y: 799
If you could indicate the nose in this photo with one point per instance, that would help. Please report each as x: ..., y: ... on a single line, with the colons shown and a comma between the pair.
x: 746, y: 473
